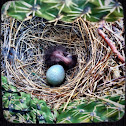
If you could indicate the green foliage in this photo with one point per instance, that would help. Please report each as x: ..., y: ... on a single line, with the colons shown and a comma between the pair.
x: 66, y: 10
x: 92, y: 111
x: 20, y: 107
x: 6, y: 86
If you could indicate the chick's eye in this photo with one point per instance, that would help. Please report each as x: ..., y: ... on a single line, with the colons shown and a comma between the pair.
x: 59, y: 52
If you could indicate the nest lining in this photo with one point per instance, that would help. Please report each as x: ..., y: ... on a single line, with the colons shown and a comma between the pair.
x: 26, y: 41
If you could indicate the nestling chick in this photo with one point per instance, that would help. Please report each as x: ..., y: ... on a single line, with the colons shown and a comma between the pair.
x: 58, y: 55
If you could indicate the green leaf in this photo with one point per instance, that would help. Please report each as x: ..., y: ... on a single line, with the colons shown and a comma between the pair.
x: 40, y: 108
x: 4, y: 80
x: 50, y: 14
x: 80, y: 111
x: 8, y: 99
x: 26, y: 97
x: 72, y: 9
x: 7, y: 86
x: 35, y: 102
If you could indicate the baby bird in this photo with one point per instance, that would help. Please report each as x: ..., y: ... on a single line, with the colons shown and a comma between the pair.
x: 58, y: 55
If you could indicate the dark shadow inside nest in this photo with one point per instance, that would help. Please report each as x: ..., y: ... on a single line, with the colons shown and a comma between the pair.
x: 31, y: 49
x: 71, y: 71
x: 50, y: 58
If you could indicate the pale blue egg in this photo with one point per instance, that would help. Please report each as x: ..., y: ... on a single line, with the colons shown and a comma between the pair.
x: 55, y: 75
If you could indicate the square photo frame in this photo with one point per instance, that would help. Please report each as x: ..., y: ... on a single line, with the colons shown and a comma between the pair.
x: 62, y: 61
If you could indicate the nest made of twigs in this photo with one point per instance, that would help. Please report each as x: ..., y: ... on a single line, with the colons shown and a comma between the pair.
x: 96, y: 72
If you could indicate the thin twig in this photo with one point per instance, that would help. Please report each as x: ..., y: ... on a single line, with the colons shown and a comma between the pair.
x: 109, y: 42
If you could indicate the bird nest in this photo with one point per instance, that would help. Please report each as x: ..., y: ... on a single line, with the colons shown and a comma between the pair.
x: 97, y: 72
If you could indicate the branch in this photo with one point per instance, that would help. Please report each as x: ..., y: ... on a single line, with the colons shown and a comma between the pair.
x: 109, y: 42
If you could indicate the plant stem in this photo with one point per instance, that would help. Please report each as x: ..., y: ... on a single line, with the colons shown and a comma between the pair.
x: 109, y: 42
